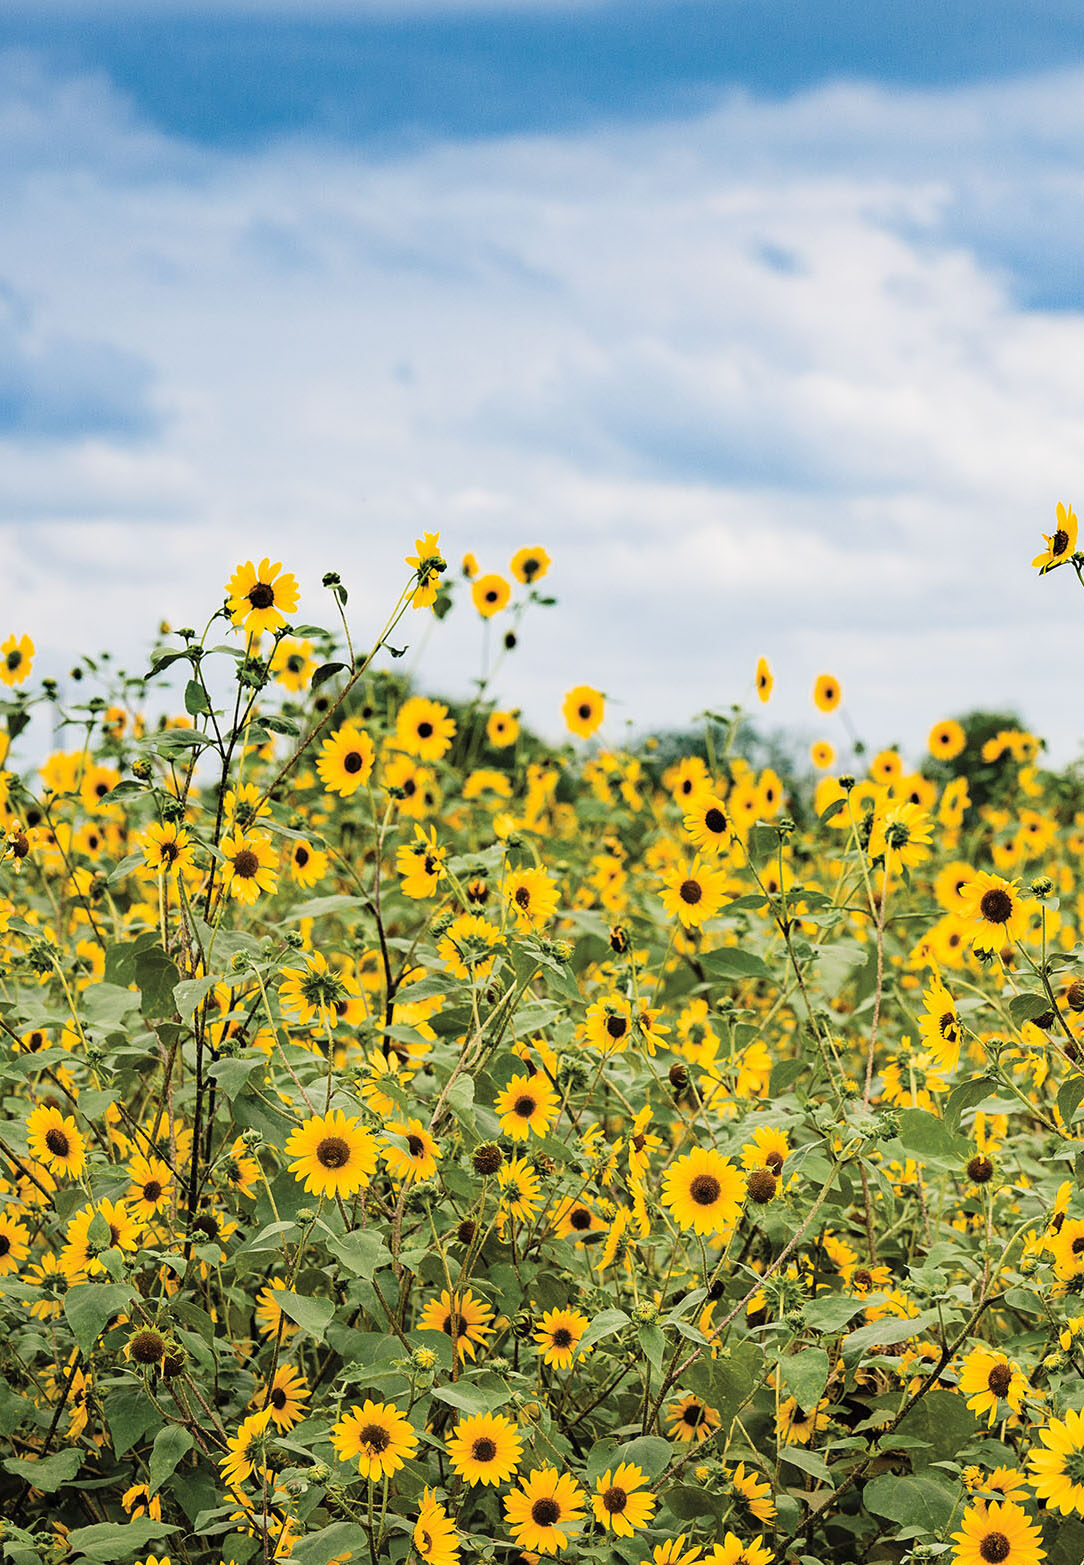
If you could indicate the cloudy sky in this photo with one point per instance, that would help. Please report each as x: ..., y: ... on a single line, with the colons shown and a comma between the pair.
x: 765, y: 318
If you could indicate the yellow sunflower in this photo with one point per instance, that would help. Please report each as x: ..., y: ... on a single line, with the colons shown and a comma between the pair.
x: 544, y: 1509
x: 827, y: 693
x: 251, y: 865
x: 286, y: 1403
x: 54, y: 1140
x: 418, y: 1159
x: 996, y: 907
x: 460, y: 1316
x: 703, y: 1191
x: 583, y: 710
x: 621, y: 1502
x: 377, y: 1436
x: 490, y: 594
x: 764, y: 680
x: 14, y: 1244
x: 531, y: 898
x: 16, y: 659
x: 167, y: 848
x: 424, y: 729
x: 694, y: 894
x: 345, y: 762
x: 428, y: 564
x: 485, y: 1449
x: 997, y: 1534
x: 1057, y: 1473
x: 528, y: 1103
x: 939, y: 1026
x: 435, y: 1533
x: 258, y: 598
x: 502, y: 729
x: 1060, y: 544
x: 946, y: 740
x: 987, y: 1379
x: 333, y: 1155
x: 558, y: 1336
x: 691, y: 1419
x: 708, y: 824
x: 529, y: 565
x: 246, y: 1450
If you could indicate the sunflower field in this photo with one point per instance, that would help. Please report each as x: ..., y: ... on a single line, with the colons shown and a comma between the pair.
x: 422, y: 1143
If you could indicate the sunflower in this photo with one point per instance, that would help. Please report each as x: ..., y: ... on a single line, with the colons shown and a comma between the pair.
x: 620, y: 1501
x: 468, y: 947
x: 946, y: 740
x: 764, y: 680
x: 708, y: 824
x: 293, y: 664
x: 796, y: 1425
x: 939, y: 1026
x: 378, y: 1436
x: 754, y: 1493
x: 822, y: 754
x: 428, y: 564
x: 502, y: 730
x: 167, y: 848
x: 827, y: 693
x: 769, y: 1149
x: 987, y: 1379
x: 997, y: 1534
x: 1057, y: 1473
x: 247, y: 1449
x: 138, y: 1501
x: 289, y: 1393
x: 520, y: 1191
x: 435, y: 1533
x: 490, y: 594
x: 997, y: 908
x: 308, y: 865
x: 16, y: 659
x: 573, y: 1219
x: 732, y: 1551
x: 542, y: 1511
x: 150, y: 1189
x: 108, y: 1225
x: 315, y: 993
x: 901, y: 836
x: 531, y: 898
x: 257, y: 601
x: 14, y: 1244
x: 418, y: 1159
x: 460, y: 1316
x: 703, y: 1191
x: 674, y: 1552
x: 693, y: 894
x: 691, y: 1419
x: 528, y: 1103
x: 1060, y: 544
x: 420, y: 864
x: 486, y: 1448
x: 268, y: 1312
x: 608, y: 1024
x: 345, y: 762
x: 424, y: 729
x: 583, y: 710
x: 529, y: 565
x: 251, y: 865
x: 332, y: 1155
x: 558, y: 1336
x: 54, y: 1140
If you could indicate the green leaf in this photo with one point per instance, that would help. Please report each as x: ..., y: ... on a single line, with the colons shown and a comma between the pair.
x: 967, y: 1095
x: 924, y: 1136
x: 808, y: 1461
x: 170, y: 1445
x: 109, y: 1541
x: 805, y: 1376
x: 920, y: 1503
x: 90, y: 1306
x: 188, y: 994
x: 363, y: 1252
x: 649, y: 1452
x: 603, y: 1325
x: 341, y: 1538
x: 195, y: 702
x: 472, y: 1398
x: 233, y: 1075
x: 1025, y: 1007
x: 1069, y: 1095
x: 884, y: 1333
x: 49, y: 1473
x: 312, y: 1315
x: 654, y: 1345
x: 732, y: 963
x: 325, y: 672
x: 831, y: 1311
x: 130, y: 1413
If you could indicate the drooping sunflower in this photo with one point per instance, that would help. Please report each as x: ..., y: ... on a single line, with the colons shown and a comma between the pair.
x: 418, y: 1159
x: 529, y: 565
x: 997, y: 1534
x: 314, y: 993
x: 996, y: 908
x: 528, y: 1103
x: 428, y: 564
x: 251, y: 865
x: 14, y: 1244
x: 486, y: 1448
x: 435, y: 1534
x: 583, y: 710
x: 167, y: 848
x: 378, y: 1436
x: 1057, y: 1472
x: 703, y: 1191
x: 827, y: 693
x: 246, y: 1450
x: 764, y: 680
x: 939, y: 1026
x: 502, y: 729
x: 708, y: 824
x: 987, y: 1379
x: 1060, y: 544
x: 424, y: 729
x: 754, y: 1493
x: 690, y: 1419
x: 693, y: 894
x: 55, y: 1140
x: 460, y: 1316
x: 258, y: 598
x: 16, y: 659
x: 558, y: 1336
x: 286, y: 1403
x: 544, y: 1509
x: 621, y: 1502
x: 345, y: 762
x: 531, y: 897
x: 490, y: 594
x: 333, y: 1155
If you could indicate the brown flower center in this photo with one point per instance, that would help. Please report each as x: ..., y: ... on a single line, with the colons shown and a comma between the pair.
x: 615, y: 1500
x: 483, y: 1450
x: 152, y: 1190
x: 705, y: 1189
x: 523, y: 897
x: 262, y: 595
x: 278, y: 1398
x: 333, y: 1152
x: 994, y: 1548
x: 1060, y: 541
x: 352, y: 762
x: 416, y: 1145
x: 376, y: 1437
x: 562, y: 1337
x: 996, y: 907
x: 580, y: 1219
x: 617, y: 1026
x: 57, y: 1141
x: 545, y: 1512
x: 147, y: 1347
x: 524, y: 1106
x: 425, y: 730
x: 715, y: 820
x: 690, y: 891
x: 761, y: 1185
x: 999, y: 1379
x: 246, y: 864
x: 693, y: 1414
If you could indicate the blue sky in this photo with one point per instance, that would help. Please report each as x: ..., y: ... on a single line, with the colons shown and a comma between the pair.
x: 763, y: 317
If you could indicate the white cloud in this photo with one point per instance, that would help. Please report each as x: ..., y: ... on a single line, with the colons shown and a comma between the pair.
x: 744, y: 376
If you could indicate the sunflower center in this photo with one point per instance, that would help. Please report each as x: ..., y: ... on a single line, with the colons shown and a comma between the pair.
x: 168, y: 851
x: 761, y: 1185
x: 278, y: 1398
x: 352, y: 762
x: 425, y: 730
x: 416, y: 1145
x: 690, y: 891
x: 301, y: 857
x: 774, y: 1160
x: 524, y: 1106
x: 376, y: 1437
x: 333, y: 1152
x: 545, y: 1512
x: 1058, y: 544
x: 999, y: 1379
x: 13, y: 660
x: 5, y: 1244
x: 615, y: 1500
x: 1078, y: 1245
x: 114, y: 1235
x: 483, y: 1450
x: 947, y: 1024
x: 21, y: 846
x: 246, y: 864
x: 583, y: 711
x: 580, y: 1219
x: 57, y: 1141
x: 693, y: 1414
x: 523, y: 897
x: 147, y: 1347
x: 454, y: 1325
x: 562, y: 1337
x: 996, y: 908
x: 705, y: 1189
x: 715, y: 820
x: 530, y: 567
x: 152, y: 1190
x: 616, y: 1026
x: 994, y: 1548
